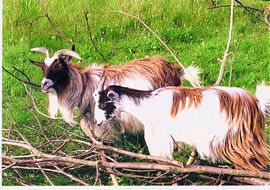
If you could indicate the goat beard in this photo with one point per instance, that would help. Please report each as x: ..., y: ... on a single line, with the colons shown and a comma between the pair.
x: 67, y: 101
x: 109, y: 130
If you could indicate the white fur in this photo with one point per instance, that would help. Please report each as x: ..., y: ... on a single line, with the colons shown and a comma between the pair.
x: 67, y: 113
x: 197, y: 127
x: 53, y: 104
x: 192, y: 74
x: 134, y: 125
x: 138, y: 82
x: 49, y: 60
x: 160, y: 127
x: 263, y: 95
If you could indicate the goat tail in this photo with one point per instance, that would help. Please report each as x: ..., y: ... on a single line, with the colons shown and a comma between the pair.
x: 192, y: 74
x: 263, y: 95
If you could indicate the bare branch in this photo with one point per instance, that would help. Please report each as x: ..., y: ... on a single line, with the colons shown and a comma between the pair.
x: 141, y: 156
x: 35, y: 19
x: 241, y: 5
x: 223, y: 64
x: 192, y: 157
x: 53, y: 25
x: 141, y: 165
x: 194, y: 83
x: 45, y: 175
x: 91, y: 37
x: 71, y: 176
x: 34, y: 104
x: 24, y: 81
x: 232, y: 61
x: 248, y: 8
x: 253, y: 181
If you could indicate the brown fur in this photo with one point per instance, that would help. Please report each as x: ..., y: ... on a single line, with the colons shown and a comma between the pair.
x: 158, y: 71
x: 83, y: 82
x: 245, y: 145
x: 180, y: 96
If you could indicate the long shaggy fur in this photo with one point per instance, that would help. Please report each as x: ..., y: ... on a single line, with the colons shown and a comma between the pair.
x: 224, y: 124
x: 144, y: 74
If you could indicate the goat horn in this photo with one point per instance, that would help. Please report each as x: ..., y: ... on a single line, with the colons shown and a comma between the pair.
x: 102, y: 81
x: 67, y: 52
x: 41, y: 50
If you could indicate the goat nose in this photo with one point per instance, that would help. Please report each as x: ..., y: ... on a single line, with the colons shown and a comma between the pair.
x: 46, y: 85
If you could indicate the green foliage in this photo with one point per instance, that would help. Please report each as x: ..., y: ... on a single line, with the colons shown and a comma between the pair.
x: 197, y: 34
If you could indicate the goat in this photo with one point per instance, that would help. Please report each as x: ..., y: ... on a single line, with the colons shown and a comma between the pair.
x: 224, y: 124
x: 70, y: 86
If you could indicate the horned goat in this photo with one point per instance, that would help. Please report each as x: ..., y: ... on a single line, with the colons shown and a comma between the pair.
x: 70, y: 86
x: 225, y: 124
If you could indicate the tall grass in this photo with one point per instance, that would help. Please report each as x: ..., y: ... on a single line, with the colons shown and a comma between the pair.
x: 198, y: 35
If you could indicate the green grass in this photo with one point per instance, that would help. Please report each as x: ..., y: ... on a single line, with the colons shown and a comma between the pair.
x: 198, y: 35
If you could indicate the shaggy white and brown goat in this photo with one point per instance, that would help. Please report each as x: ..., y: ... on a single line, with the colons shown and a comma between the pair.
x: 225, y: 124
x: 70, y: 86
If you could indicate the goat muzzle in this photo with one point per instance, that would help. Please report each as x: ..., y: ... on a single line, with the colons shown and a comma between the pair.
x: 47, y: 85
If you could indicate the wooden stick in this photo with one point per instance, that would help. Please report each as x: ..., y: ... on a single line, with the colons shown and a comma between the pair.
x: 194, y: 82
x: 223, y: 64
x: 141, y: 165
x: 53, y: 25
x: 91, y: 37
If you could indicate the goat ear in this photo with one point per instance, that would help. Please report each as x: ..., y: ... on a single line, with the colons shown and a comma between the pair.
x: 39, y: 64
x: 112, y: 95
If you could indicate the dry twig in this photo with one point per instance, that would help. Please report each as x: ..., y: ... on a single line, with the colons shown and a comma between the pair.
x: 232, y: 61
x: 53, y: 25
x: 34, y: 104
x: 24, y: 81
x: 91, y: 37
x: 134, y: 165
x: 223, y: 64
x: 194, y: 83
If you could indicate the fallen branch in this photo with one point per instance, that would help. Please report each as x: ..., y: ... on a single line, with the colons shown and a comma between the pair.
x: 252, y: 181
x: 141, y: 156
x: 140, y: 165
x: 45, y: 175
x: 247, y: 7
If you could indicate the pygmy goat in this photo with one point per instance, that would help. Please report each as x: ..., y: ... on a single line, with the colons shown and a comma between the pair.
x: 225, y: 124
x: 70, y: 86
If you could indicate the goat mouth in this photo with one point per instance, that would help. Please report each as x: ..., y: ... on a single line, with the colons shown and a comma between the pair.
x: 47, y: 89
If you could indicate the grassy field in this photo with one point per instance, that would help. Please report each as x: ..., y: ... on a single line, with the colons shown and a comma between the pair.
x: 197, y: 34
